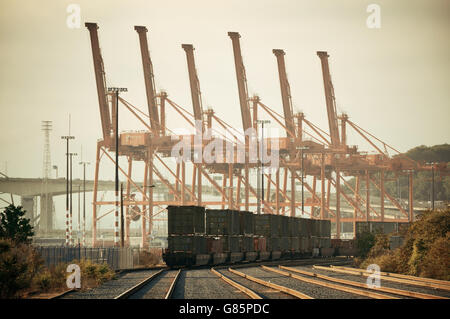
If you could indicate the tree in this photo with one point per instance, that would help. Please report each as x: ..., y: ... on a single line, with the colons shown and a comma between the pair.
x: 14, y: 226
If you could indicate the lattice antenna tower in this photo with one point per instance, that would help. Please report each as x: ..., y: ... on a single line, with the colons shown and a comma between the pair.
x: 46, y: 167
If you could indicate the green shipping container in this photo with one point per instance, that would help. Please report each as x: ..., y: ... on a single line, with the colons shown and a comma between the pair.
x: 186, y: 220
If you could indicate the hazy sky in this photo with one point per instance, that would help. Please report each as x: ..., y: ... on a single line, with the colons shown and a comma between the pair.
x: 393, y: 81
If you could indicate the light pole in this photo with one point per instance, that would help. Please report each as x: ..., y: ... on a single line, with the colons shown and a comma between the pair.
x: 261, y: 153
x: 302, y: 148
x: 67, y: 138
x: 84, y: 198
x: 432, y: 183
x: 70, y: 201
x: 116, y: 90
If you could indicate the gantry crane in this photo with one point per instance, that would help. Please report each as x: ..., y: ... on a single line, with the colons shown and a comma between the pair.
x: 321, y: 160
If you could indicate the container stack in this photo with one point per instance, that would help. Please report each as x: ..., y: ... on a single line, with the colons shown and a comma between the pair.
x: 325, y: 238
x: 246, y: 231
x: 186, y: 233
x: 224, y: 225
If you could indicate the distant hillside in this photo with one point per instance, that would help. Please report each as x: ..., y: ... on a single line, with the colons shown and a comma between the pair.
x: 398, y: 185
x: 436, y: 153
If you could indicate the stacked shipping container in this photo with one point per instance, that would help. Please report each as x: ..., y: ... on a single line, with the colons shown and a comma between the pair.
x: 230, y: 235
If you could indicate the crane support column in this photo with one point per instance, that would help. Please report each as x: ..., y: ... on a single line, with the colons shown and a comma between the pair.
x: 338, y: 204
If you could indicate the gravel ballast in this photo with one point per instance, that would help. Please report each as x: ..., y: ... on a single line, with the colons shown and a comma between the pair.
x: 315, y: 291
x: 203, y: 284
x: 112, y: 288
x: 390, y: 284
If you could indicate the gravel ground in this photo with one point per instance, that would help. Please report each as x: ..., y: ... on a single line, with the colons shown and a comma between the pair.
x: 261, y: 290
x: 384, y: 283
x: 112, y: 288
x: 315, y: 291
x: 203, y: 284
x: 156, y: 288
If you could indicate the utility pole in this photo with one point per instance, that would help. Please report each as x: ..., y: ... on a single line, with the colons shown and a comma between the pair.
x: 116, y: 90
x: 67, y: 138
x: 302, y: 148
x: 79, y: 228
x: 84, y: 197
x: 121, y: 217
x: 261, y: 154
x: 432, y: 183
x: 70, y: 202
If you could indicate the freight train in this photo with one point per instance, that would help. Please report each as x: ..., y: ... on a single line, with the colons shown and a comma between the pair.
x: 199, y: 236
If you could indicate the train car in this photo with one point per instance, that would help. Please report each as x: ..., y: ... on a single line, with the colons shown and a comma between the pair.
x: 199, y: 236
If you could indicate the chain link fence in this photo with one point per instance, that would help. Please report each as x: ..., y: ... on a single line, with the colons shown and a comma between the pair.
x: 116, y: 258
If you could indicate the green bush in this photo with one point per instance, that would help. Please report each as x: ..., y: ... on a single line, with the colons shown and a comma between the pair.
x: 364, y: 243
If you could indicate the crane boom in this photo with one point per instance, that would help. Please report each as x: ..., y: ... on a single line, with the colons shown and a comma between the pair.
x: 149, y: 80
x: 100, y: 80
x: 241, y: 81
x: 285, y: 93
x: 330, y: 99
x: 194, y: 82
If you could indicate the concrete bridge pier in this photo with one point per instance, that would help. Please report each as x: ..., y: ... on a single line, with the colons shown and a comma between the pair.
x: 46, y: 218
x: 27, y: 203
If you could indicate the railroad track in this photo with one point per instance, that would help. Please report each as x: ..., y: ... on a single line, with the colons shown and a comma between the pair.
x: 305, y: 279
x: 159, y: 285
x: 113, y: 288
x: 300, y: 283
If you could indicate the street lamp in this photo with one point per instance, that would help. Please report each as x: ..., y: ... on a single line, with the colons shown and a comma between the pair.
x: 70, y: 207
x: 432, y: 183
x: 116, y: 90
x: 302, y: 148
x: 67, y: 138
x: 262, y: 122
x: 84, y: 198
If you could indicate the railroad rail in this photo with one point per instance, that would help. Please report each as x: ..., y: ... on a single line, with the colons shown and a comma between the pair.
x: 331, y: 285
x: 364, y: 273
x: 390, y: 274
x: 236, y: 285
x: 137, y: 287
x: 281, y: 288
x: 394, y: 291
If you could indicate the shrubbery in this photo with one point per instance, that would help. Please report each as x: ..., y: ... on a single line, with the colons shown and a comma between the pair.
x: 21, y: 268
x: 425, y: 251
x: 19, y: 264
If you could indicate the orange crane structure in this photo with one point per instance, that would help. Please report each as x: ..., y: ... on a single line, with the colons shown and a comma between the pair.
x: 327, y: 157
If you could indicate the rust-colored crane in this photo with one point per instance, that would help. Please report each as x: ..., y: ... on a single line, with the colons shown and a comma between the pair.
x: 149, y: 80
x: 99, y: 71
x: 241, y: 81
x: 285, y: 93
x: 194, y: 83
x: 330, y: 100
